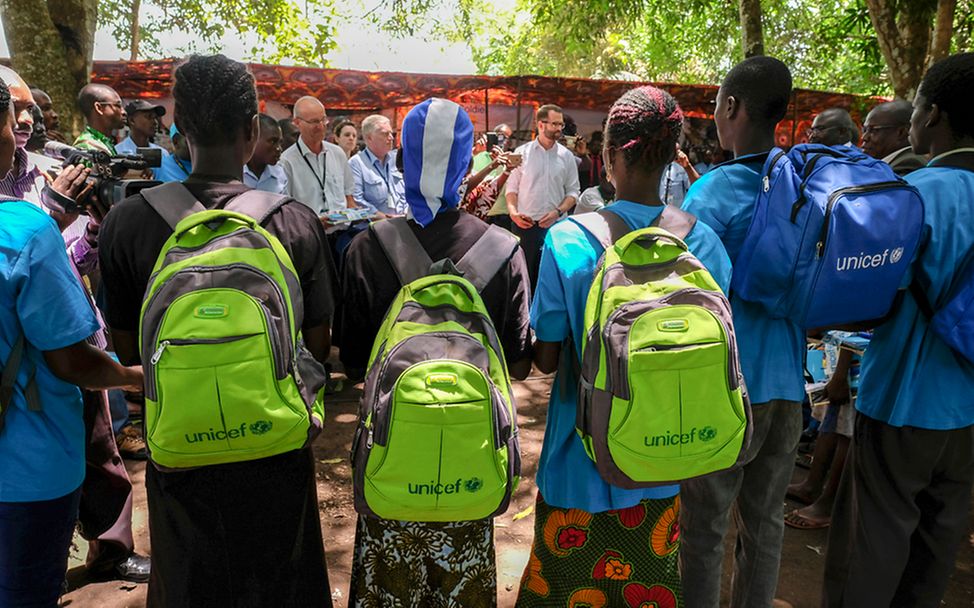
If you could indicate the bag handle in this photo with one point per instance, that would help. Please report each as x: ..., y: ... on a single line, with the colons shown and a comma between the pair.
x: 8, y: 382
x: 608, y: 228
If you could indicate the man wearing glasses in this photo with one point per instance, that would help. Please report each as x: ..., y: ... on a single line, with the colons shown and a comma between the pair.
x: 885, y: 135
x: 833, y: 127
x: 104, y: 115
x: 317, y: 171
x: 543, y: 188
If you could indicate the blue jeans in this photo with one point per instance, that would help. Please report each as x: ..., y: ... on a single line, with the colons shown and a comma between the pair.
x: 34, y: 542
x: 754, y: 492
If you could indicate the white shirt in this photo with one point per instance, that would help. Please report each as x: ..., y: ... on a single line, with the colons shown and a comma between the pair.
x: 304, y: 171
x: 272, y: 179
x: 673, y: 185
x: 590, y: 200
x: 544, y: 179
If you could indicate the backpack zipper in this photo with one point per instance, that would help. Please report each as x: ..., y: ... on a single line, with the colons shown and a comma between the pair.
x: 823, y: 235
x: 670, y: 347
x: 165, y: 344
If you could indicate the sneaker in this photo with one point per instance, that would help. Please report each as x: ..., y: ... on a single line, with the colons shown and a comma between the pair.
x: 130, y: 443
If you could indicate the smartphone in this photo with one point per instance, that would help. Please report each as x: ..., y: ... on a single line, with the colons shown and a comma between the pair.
x: 492, y: 141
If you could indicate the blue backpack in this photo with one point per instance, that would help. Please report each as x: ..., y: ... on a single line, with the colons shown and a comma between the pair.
x: 833, y: 234
x: 953, y: 321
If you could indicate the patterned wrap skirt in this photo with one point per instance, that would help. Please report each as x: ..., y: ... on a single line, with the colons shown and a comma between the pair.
x: 400, y: 564
x: 625, y: 558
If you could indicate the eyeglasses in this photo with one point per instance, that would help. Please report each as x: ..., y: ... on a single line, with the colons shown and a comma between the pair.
x: 315, y: 122
x: 553, y: 124
x: 814, y: 130
x: 866, y: 130
x: 117, y: 104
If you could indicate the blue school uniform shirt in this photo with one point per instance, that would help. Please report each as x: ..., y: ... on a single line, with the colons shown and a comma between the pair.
x: 127, y: 146
x: 173, y: 169
x: 910, y: 377
x: 567, y: 477
x: 771, y: 350
x: 43, y: 453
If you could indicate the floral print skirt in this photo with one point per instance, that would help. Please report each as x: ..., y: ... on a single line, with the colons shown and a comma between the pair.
x: 625, y: 558
x: 400, y: 564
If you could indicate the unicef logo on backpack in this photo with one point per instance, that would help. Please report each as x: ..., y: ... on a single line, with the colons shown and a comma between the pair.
x: 897, y: 255
x: 261, y: 426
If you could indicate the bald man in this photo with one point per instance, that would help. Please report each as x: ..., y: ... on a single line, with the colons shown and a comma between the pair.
x: 834, y: 127
x: 885, y: 135
x: 317, y: 171
x: 103, y: 111
x: 106, y: 495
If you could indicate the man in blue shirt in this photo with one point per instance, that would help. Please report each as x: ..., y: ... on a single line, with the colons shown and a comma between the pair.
x: 176, y: 166
x: 261, y: 171
x: 378, y: 184
x: 641, y: 133
x: 902, y: 507
x: 42, y: 433
x: 143, y: 119
x: 751, y: 101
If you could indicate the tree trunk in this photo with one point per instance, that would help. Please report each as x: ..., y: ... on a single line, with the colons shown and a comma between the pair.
x: 50, y: 54
x: 903, y: 39
x: 134, y: 30
x: 943, y: 29
x: 753, y: 37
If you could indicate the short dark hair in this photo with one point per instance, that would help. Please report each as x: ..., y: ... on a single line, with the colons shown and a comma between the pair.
x: 341, y: 124
x: 268, y: 121
x: 949, y: 84
x: 763, y: 86
x: 215, y: 99
x: 645, y: 123
x: 4, y: 98
x: 548, y: 108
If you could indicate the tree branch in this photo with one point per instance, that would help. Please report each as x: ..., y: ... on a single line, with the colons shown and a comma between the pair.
x: 943, y: 29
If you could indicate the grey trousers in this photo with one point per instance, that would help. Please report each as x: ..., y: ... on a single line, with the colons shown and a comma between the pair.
x: 899, y: 516
x: 754, y: 493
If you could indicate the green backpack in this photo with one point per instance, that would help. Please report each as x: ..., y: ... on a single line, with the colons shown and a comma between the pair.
x: 227, y: 377
x: 661, y: 394
x: 437, y: 433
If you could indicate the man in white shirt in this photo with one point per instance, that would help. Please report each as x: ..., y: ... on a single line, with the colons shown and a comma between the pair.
x: 262, y: 171
x: 543, y: 188
x: 317, y: 171
x: 143, y: 121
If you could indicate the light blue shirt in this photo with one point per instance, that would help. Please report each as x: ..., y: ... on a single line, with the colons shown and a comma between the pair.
x: 42, y: 453
x: 272, y: 179
x: 910, y: 377
x: 378, y: 185
x: 771, y: 350
x: 673, y: 184
x: 173, y: 169
x: 567, y: 477
x: 127, y: 146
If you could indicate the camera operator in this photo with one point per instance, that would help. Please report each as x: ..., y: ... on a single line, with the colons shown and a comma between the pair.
x: 106, y: 496
x: 42, y: 437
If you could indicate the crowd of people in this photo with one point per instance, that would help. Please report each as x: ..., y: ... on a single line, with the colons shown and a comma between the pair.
x: 892, y: 473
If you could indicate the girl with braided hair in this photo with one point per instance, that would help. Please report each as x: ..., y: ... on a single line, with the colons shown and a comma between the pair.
x: 595, y: 542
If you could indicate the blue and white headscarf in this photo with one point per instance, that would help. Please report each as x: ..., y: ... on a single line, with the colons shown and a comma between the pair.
x: 437, y: 143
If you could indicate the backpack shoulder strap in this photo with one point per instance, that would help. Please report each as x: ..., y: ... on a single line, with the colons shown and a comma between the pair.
x: 8, y: 382
x: 606, y: 226
x: 487, y: 256
x: 676, y: 221
x: 402, y: 248
x: 172, y: 201
x: 257, y: 204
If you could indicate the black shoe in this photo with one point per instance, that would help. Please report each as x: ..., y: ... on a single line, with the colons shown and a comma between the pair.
x: 135, y: 568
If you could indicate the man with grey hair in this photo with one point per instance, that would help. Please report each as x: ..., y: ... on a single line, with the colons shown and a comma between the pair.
x: 834, y: 127
x: 885, y: 135
x: 317, y: 171
x: 378, y: 184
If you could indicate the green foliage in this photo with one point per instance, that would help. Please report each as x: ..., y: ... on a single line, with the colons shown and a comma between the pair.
x: 284, y: 31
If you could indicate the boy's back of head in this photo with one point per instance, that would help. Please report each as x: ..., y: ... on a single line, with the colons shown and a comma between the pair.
x: 763, y: 86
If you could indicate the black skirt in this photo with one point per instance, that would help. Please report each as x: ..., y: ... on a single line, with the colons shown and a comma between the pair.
x: 237, y: 535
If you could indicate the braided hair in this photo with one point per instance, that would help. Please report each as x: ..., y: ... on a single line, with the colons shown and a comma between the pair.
x: 949, y: 83
x: 4, y: 98
x: 215, y: 99
x: 645, y: 123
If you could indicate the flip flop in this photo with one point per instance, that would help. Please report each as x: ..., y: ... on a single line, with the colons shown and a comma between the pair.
x: 800, y: 522
x: 803, y: 460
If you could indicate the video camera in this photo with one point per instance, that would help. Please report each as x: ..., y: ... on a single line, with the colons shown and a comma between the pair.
x: 107, y: 175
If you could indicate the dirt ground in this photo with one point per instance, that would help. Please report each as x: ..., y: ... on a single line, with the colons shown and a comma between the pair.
x: 801, y: 563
